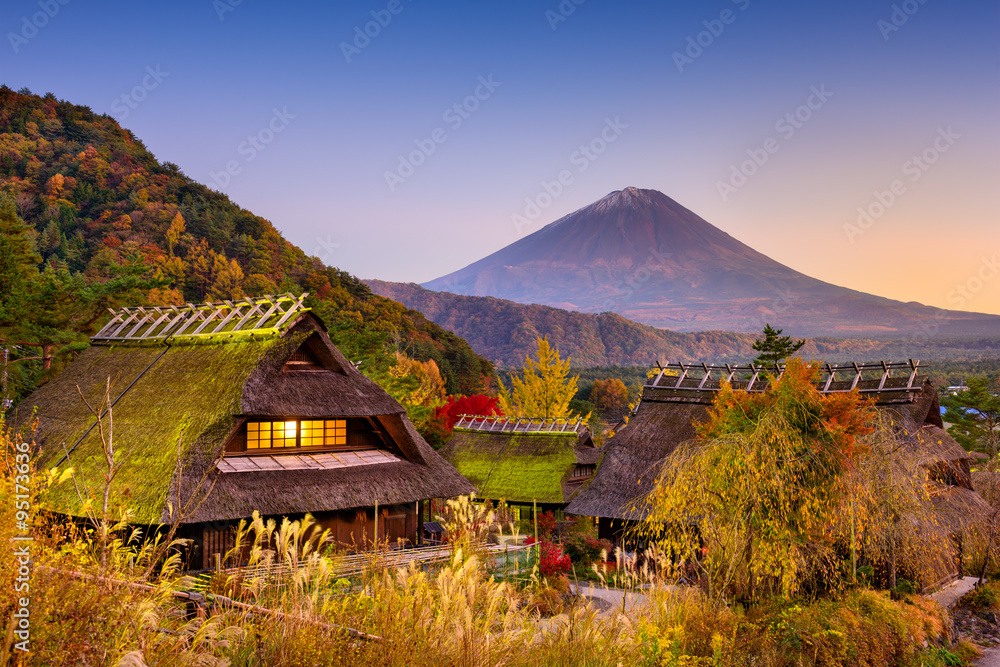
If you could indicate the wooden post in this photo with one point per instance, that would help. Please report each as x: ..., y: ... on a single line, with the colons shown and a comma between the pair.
x: 420, y: 523
x: 375, y: 540
x: 538, y: 547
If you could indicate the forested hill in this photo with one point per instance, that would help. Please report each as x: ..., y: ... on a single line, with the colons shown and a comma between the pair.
x: 90, y: 219
x: 505, y: 332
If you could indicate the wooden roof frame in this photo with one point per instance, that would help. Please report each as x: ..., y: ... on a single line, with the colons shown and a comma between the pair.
x: 246, y: 317
x: 884, y: 380
x: 492, y: 424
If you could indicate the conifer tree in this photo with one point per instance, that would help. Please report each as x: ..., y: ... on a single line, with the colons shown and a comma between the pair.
x: 774, y: 348
x: 974, y: 415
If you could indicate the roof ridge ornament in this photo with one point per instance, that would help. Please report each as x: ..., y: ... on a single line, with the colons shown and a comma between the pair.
x: 888, y: 382
x: 501, y: 424
x: 265, y: 314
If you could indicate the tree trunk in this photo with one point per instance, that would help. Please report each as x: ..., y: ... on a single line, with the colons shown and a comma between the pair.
x: 892, y: 558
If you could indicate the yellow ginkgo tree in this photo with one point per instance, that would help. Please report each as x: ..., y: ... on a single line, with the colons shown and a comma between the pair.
x: 544, y: 389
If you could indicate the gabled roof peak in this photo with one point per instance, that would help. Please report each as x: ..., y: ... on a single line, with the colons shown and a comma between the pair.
x: 268, y: 314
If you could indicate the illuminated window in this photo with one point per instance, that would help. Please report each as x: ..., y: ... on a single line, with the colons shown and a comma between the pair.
x: 296, y: 433
x: 325, y: 433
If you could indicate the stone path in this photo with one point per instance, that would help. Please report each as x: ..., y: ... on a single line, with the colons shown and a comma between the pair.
x: 951, y: 593
x: 613, y: 596
x: 990, y: 658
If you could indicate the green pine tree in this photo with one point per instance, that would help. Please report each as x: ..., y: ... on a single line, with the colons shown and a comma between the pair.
x: 974, y: 415
x: 774, y: 347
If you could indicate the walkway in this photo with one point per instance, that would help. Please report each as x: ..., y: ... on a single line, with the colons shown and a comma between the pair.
x: 950, y: 594
x: 613, y: 596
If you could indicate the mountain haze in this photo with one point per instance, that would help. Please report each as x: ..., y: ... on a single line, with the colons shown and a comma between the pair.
x: 505, y: 332
x: 642, y: 255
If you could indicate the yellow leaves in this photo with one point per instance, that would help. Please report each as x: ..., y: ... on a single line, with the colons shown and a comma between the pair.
x: 431, y: 389
x: 55, y: 185
x: 544, y: 389
x: 174, y: 231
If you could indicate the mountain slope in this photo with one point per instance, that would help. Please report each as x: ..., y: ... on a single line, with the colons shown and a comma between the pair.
x: 642, y: 255
x: 505, y: 332
x: 111, y: 225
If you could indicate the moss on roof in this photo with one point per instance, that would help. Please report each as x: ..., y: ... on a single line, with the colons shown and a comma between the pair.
x: 202, y: 389
x: 189, y: 392
x: 522, y: 467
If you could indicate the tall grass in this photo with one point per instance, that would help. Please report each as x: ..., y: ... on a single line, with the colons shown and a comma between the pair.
x: 290, y: 607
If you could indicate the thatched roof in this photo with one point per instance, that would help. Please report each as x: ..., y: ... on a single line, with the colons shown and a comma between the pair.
x: 522, y: 466
x: 198, y: 391
x: 665, y: 418
x: 932, y: 446
x: 632, y: 458
x: 958, y: 508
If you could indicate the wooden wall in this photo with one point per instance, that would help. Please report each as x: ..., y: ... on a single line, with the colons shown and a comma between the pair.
x: 352, y: 529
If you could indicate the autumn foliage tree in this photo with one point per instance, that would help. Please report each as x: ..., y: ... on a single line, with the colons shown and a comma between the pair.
x: 609, y: 396
x: 544, y: 389
x: 763, y: 485
x: 445, y: 416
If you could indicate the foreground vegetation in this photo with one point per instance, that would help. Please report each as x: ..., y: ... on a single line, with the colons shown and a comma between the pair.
x: 101, y: 594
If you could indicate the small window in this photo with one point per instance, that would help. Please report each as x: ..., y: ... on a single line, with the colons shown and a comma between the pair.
x: 325, y: 433
x: 292, y: 434
x: 302, y: 360
x: 583, y: 470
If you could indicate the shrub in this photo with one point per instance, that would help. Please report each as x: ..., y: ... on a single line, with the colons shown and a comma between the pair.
x: 585, y: 549
x: 984, y: 596
x: 546, y: 524
x: 553, y: 561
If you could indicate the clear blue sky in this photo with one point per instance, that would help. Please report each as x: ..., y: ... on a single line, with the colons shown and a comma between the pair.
x: 682, y: 116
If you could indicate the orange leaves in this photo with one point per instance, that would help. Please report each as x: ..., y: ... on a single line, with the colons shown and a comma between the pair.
x: 831, y: 422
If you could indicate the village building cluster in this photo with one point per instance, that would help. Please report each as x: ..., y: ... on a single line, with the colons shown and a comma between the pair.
x: 207, y: 413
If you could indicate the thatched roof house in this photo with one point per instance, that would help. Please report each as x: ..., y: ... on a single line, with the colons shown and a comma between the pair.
x: 523, y: 460
x: 250, y: 398
x: 679, y: 396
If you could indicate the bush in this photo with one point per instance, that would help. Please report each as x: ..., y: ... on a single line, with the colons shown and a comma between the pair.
x: 546, y: 524
x: 585, y: 549
x: 553, y: 561
x: 984, y: 596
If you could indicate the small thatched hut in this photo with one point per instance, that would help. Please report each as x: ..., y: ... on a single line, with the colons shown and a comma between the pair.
x: 523, y: 461
x: 679, y: 396
x: 231, y: 408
